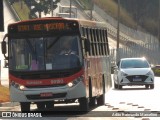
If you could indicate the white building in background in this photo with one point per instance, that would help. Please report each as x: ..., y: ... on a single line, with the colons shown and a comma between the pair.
x: 64, y: 11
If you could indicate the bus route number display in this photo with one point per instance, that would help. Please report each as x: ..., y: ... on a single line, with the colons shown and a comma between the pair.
x: 43, y: 27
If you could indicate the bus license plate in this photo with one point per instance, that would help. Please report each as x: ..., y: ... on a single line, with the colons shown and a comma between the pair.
x: 137, y: 79
x: 49, y: 94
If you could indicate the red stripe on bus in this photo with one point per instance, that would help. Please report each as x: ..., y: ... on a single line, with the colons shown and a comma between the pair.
x: 51, y: 81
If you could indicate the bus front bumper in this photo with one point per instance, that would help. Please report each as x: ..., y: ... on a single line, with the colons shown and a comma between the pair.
x: 47, y: 94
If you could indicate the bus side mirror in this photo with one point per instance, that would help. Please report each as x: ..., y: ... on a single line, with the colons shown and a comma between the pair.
x: 4, y: 47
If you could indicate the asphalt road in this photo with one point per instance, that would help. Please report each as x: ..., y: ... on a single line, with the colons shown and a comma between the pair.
x: 130, y: 98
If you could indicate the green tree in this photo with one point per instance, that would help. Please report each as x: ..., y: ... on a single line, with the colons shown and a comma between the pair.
x: 43, y: 6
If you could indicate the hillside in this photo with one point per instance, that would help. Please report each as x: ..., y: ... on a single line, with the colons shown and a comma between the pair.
x: 133, y: 13
x: 144, y: 12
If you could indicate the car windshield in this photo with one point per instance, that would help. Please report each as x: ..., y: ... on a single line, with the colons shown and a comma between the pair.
x: 134, y: 63
x: 45, y: 53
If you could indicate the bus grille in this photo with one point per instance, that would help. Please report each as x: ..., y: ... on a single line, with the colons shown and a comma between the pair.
x: 46, y: 76
x: 46, y: 86
x: 38, y: 97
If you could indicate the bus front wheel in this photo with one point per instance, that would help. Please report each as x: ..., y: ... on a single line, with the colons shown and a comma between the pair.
x: 49, y: 105
x: 40, y: 105
x: 83, y: 103
x: 101, y: 100
x: 25, y: 106
x: 45, y: 105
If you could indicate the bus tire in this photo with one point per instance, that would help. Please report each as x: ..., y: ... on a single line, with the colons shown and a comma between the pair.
x: 40, y: 105
x: 49, y: 105
x: 25, y: 106
x: 83, y: 104
x: 101, y: 100
x: 92, y: 101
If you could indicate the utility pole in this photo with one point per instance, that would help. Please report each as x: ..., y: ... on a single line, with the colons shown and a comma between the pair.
x: 70, y: 8
x: 159, y: 24
x: 21, y: 4
x: 92, y: 4
x: 51, y: 8
x: 118, y: 20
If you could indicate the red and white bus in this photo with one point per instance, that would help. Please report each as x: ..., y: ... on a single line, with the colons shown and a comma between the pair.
x: 41, y: 72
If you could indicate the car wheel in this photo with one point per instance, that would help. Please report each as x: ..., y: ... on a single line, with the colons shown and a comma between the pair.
x: 146, y: 86
x: 119, y: 86
x: 115, y: 85
x: 92, y: 101
x: 152, y: 86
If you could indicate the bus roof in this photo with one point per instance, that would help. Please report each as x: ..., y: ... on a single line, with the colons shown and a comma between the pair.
x: 82, y: 22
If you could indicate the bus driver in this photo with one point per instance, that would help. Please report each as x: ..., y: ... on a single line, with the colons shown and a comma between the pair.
x: 67, y: 49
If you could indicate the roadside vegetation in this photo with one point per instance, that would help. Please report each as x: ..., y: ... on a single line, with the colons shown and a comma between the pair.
x: 22, y: 10
x: 134, y: 14
x: 29, y: 9
x: 4, y: 94
x: 108, y: 6
x: 111, y: 8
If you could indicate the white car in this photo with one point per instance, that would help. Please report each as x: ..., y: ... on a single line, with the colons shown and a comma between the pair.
x: 133, y: 71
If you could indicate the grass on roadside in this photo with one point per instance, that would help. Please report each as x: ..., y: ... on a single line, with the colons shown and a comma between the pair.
x: 110, y: 7
x: 22, y: 12
x: 4, y: 94
x: 85, y: 3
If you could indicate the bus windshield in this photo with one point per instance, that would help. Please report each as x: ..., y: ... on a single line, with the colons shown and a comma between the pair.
x: 45, y: 53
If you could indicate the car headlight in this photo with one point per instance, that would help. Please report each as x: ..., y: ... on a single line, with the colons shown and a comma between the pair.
x: 123, y: 74
x: 75, y: 82
x: 149, y: 73
x: 18, y: 86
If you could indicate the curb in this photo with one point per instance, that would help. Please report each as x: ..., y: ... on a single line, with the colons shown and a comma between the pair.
x: 9, y: 104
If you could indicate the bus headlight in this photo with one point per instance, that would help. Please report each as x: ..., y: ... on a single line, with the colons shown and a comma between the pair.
x: 22, y: 87
x: 75, y: 82
x: 70, y: 84
x: 18, y: 86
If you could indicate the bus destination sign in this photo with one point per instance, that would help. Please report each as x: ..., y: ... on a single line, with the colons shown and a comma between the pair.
x: 43, y: 27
